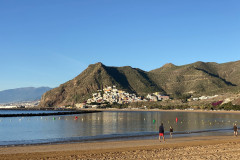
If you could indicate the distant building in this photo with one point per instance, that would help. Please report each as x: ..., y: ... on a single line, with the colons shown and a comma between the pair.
x: 164, y: 98
x: 8, y: 107
x: 152, y: 97
x: 157, y: 97
x: 195, y: 99
x: 80, y: 105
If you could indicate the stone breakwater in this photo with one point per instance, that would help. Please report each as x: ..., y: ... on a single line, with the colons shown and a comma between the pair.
x: 46, y: 114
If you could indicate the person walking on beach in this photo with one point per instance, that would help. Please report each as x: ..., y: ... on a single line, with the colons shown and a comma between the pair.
x: 235, y: 130
x: 161, y: 132
x: 171, y: 131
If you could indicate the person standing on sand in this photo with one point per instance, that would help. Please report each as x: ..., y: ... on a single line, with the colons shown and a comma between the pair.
x: 171, y: 131
x: 161, y: 132
x: 235, y: 129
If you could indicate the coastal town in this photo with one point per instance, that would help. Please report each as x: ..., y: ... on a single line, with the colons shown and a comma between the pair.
x: 19, y: 105
x: 113, y: 95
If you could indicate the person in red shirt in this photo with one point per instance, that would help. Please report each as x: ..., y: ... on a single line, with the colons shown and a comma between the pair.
x: 161, y: 132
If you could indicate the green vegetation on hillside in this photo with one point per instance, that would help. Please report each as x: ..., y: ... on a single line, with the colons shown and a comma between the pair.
x: 177, y: 81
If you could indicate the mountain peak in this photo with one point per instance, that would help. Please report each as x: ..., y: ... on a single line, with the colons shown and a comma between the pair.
x: 168, y: 65
x: 164, y: 68
x: 98, y: 64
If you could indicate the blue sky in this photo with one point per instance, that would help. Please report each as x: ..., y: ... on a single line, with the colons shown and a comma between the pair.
x: 48, y: 42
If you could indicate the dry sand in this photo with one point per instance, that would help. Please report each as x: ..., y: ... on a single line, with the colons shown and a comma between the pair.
x: 202, y: 147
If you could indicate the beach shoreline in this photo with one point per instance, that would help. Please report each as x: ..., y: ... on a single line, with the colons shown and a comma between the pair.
x: 203, y: 147
x: 130, y: 109
x: 162, y: 110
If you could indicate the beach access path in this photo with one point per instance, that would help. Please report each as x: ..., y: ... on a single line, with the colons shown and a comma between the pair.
x: 201, y: 147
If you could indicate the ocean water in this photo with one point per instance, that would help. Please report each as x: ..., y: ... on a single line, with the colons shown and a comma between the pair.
x: 110, y: 125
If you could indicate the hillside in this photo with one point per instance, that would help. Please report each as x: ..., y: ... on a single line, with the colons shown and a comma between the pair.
x: 98, y: 76
x: 22, y: 94
x: 196, y: 78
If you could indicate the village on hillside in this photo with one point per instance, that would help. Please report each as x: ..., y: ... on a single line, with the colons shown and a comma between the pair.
x: 113, y: 95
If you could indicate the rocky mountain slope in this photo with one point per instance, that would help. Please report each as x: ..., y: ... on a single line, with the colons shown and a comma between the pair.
x: 197, y: 78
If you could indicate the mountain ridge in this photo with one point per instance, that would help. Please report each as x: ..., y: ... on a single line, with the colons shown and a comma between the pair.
x: 22, y: 94
x: 196, y: 78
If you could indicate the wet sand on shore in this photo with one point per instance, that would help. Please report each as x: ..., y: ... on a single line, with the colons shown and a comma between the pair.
x: 201, y: 147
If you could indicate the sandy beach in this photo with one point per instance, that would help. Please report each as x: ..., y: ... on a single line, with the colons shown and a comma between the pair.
x: 201, y: 147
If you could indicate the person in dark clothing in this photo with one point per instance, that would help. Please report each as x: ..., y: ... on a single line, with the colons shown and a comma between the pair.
x: 235, y: 129
x: 161, y: 132
x: 171, y: 131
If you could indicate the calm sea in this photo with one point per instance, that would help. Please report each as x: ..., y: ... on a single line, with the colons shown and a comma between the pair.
x: 110, y: 125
